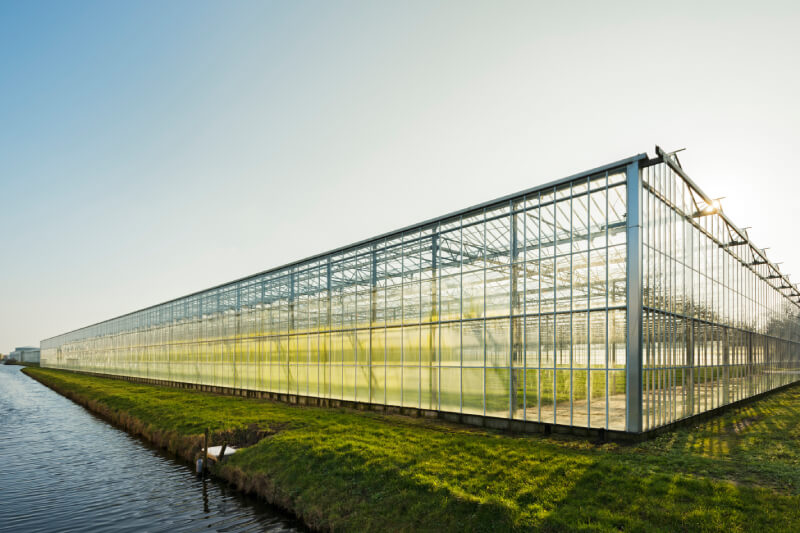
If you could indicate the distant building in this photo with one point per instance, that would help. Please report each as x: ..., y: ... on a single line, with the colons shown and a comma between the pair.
x: 25, y: 354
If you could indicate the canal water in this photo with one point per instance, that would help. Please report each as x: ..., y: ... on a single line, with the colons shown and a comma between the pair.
x: 63, y: 469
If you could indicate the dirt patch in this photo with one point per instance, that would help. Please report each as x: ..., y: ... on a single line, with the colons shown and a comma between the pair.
x: 244, y: 437
x: 740, y: 426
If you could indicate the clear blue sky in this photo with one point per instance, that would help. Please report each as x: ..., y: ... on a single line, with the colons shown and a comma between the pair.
x: 152, y: 149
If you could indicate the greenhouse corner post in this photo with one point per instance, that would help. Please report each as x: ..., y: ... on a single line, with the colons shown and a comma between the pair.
x: 633, y: 297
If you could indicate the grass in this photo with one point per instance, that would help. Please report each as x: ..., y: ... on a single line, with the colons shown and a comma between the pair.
x: 356, y: 471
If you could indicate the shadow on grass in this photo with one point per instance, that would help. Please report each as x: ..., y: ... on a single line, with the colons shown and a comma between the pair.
x: 758, y: 443
x: 609, y: 497
x: 355, y: 471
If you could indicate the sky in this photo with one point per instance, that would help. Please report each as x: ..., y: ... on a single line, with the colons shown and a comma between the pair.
x: 152, y: 149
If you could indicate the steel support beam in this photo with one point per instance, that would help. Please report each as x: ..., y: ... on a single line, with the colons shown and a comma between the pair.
x: 633, y: 366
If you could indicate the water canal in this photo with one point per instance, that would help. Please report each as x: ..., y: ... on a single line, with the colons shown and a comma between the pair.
x: 62, y: 469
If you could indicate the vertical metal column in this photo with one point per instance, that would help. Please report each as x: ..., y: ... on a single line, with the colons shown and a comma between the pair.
x: 329, y: 312
x: 237, y: 339
x: 633, y: 364
x: 514, y: 330
x: 689, y: 381
x: 433, y: 363
x: 262, y: 345
x: 726, y: 366
x: 373, y: 313
x: 289, y: 338
x: 750, y: 366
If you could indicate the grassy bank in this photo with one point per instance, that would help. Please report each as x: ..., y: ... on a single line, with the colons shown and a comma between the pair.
x: 352, y: 471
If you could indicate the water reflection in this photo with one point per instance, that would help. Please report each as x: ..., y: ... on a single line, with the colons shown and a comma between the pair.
x: 62, y: 469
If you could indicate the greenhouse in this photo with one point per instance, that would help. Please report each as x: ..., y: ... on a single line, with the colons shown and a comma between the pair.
x: 621, y: 298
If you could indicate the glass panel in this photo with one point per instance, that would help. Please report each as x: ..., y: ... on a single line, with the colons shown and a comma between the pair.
x: 394, y: 388
x: 450, y: 298
x: 394, y: 346
x: 597, y: 219
x: 429, y: 344
x: 472, y: 291
x: 563, y: 289
x: 378, y: 346
x: 450, y: 343
x: 616, y: 276
x: 580, y: 397
x: 411, y: 345
x: 378, y: 384
x: 472, y: 390
x: 616, y: 339
x: 563, y: 394
x: 450, y: 397
x: 616, y: 400
x: 532, y: 342
x: 547, y: 281
x: 598, y: 296
x: 472, y: 343
x: 498, y: 239
x: 497, y: 392
x: 498, y: 287
x: 531, y: 288
x: 429, y: 387
x: 498, y: 342
x: 580, y: 223
x: 597, y: 407
x: 547, y: 386
x: 580, y: 281
x: 563, y: 227
x: 532, y: 395
x: 411, y: 386
x: 531, y: 242
x: 349, y: 382
x: 472, y: 246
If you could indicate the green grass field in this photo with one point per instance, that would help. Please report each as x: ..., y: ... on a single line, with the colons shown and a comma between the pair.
x: 356, y: 471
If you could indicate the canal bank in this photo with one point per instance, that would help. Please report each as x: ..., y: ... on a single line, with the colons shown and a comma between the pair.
x: 62, y: 469
x: 354, y: 471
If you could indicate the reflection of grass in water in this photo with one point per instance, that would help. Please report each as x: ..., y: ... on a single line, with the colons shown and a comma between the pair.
x: 357, y: 471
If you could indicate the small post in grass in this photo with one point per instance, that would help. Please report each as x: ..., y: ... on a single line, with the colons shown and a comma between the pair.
x: 205, y: 452
x: 221, y: 455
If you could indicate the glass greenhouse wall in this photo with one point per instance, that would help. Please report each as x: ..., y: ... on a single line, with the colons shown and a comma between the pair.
x: 721, y: 323
x: 517, y: 309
